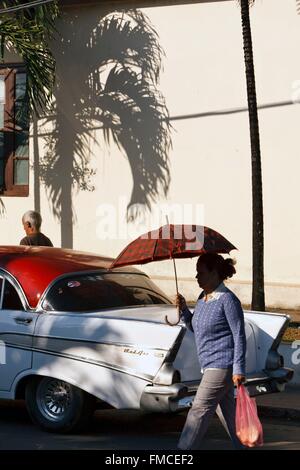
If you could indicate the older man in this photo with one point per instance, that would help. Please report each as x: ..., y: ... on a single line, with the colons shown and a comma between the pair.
x: 32, y: 222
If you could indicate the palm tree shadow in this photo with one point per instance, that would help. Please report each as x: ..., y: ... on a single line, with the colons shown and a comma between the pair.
x: 114, y: 88
x: 2, y: 208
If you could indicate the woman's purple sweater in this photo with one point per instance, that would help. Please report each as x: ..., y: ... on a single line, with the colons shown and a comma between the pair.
x: 219, y: 330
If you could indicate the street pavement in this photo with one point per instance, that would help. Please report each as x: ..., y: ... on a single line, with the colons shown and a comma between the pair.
x: 131, y: 430
x: 281, y: 405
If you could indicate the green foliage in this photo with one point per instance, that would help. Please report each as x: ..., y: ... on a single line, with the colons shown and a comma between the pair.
x: 28, y: 33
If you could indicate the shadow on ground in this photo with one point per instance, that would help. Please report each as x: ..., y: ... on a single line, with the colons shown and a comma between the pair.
x: 129, y: 430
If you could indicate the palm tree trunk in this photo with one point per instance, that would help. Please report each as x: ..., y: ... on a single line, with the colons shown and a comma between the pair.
x: 258, y: 291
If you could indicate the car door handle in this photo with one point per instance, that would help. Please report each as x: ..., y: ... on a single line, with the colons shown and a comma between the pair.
x: 26, y: 320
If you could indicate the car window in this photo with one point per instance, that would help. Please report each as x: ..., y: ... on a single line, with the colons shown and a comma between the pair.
x: 94, y: 292
x: 11, y: 299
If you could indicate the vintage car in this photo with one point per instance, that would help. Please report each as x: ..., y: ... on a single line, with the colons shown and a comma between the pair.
x: 73, y: 333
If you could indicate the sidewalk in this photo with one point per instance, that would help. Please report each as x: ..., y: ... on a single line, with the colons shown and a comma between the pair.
x: 281, y: 405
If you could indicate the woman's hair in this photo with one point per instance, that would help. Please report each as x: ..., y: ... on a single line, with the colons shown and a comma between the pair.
x: 224, y: 267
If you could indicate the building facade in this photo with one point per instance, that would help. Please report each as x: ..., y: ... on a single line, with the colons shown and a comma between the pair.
x: 80, y: 158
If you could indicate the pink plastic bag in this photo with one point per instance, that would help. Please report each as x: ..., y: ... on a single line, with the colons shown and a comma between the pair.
x: 248, y: 426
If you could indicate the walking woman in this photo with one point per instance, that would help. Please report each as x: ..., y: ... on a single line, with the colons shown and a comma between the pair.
x: 218, y: 325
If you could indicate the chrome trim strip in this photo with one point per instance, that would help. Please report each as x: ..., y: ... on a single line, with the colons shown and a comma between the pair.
x: 15, y: 334
x: 108, y: 343
x: 124, y: 370
x: 170, y: 390
x: 105, y: 314
x: 18, y: 346
x: 10, y: 339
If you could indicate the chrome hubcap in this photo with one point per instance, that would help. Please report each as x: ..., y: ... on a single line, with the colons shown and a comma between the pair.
x: 54, y: 398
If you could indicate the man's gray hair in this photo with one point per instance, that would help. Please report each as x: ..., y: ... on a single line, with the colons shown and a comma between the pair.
x: 34, y: 218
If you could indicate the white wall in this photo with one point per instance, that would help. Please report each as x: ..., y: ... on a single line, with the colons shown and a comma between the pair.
x: 210, y: 159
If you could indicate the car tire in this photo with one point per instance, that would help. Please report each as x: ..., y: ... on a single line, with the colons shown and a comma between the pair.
x: 57, y: 406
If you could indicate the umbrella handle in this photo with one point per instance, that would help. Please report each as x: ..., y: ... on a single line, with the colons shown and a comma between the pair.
x: 176, y: 323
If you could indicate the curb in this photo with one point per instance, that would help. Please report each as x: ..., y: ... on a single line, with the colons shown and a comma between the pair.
x: 276, y: 412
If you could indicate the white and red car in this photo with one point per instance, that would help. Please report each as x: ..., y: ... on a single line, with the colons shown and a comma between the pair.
x: 73, y: 332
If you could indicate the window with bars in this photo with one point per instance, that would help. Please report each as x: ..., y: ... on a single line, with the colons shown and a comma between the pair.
x: 14, y: 133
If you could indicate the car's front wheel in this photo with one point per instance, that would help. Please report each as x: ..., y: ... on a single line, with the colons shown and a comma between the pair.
x: 58, y: 406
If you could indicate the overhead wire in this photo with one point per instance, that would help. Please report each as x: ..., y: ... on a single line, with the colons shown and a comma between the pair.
x: 24, y: 6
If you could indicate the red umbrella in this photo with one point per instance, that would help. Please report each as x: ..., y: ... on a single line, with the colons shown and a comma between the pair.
x: 173, y: 241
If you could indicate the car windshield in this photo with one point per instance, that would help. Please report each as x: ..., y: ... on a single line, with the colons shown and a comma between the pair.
x: 89, y: 292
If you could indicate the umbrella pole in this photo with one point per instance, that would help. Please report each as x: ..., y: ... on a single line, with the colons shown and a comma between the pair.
x: 176, y: 281
x: 178, y: 310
